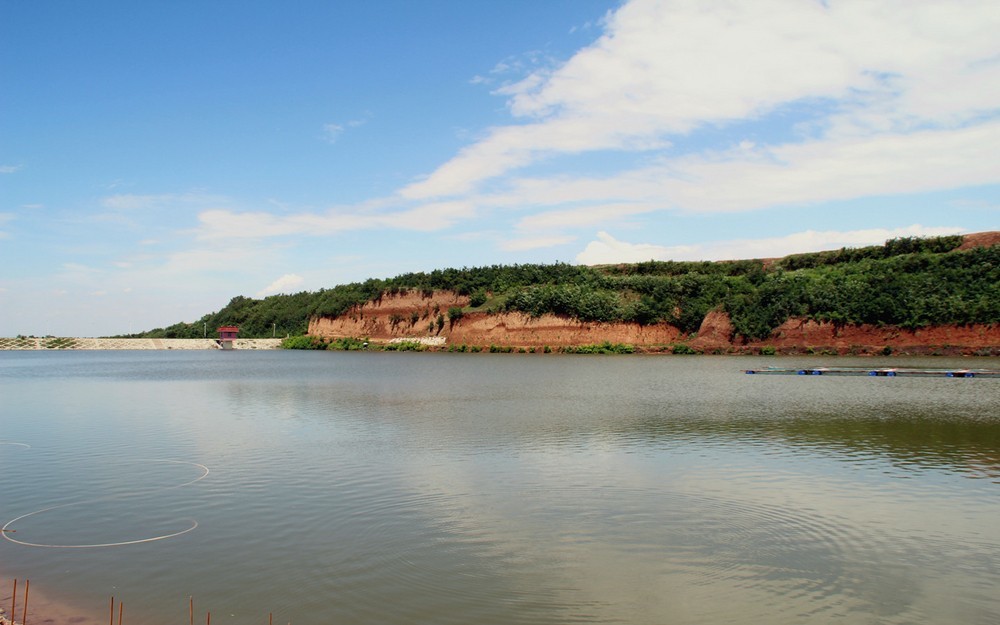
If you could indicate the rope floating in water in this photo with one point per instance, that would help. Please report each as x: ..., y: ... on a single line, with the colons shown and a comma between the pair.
x: 5, y: 530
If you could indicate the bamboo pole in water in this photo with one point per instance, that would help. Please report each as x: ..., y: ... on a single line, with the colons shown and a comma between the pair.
x: 121, y: 611
x: 112, y: 620
x: 191, y: 609
x: 24, y: 615
x: 13, y: 600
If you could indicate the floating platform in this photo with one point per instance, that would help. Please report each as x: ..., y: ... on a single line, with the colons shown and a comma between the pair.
x: 889, y: 372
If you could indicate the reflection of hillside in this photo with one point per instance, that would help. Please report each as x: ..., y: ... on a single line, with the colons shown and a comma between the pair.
x: 918, y: 442
x: 472, y: 405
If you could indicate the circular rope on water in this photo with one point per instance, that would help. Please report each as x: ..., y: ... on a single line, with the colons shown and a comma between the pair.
x: 25, y: 445
x: 5, y: 531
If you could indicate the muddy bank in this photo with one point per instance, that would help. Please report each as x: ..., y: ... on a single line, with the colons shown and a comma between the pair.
x: 43, y: 609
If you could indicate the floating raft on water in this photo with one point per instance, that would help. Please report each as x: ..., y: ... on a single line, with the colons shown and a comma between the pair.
x: 889, y: 372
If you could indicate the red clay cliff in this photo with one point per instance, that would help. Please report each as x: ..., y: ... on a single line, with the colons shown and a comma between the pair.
x: 413, y: 315
x: 424, y: 315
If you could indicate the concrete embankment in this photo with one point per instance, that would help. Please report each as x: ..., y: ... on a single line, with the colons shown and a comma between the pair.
x: 57, y: 343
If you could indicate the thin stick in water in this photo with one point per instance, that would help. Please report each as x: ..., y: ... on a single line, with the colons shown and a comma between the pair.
x: 13, y: 600
x: 24, y: 615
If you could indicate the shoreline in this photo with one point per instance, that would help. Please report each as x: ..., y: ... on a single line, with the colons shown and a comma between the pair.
x: 41, y: 607
x: 107, y: 344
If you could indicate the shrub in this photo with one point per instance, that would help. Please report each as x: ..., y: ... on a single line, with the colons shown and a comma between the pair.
x: 606, y: 347
x: 405, y: 346
x: 303, y: 342
x: 477, y: 299
x: 680, y: 348
x: 347, y: 344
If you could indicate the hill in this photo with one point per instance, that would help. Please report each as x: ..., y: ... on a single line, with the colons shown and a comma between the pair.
x: 913, y: 293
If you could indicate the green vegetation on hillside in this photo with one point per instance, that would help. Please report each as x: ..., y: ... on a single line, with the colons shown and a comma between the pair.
x: 908, y: 282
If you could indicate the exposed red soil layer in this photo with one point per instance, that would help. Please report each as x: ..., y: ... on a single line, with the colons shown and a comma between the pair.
x: 980, y: 239
x: 413, y: 314
x: 519, y: 330
x: 392, y: 318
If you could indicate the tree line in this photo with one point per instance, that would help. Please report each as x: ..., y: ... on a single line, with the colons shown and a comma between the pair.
x: 907, y: 282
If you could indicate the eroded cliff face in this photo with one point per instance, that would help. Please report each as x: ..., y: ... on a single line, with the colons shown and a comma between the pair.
x: 804, y: 333
x: 519, y: 330
x: 389, y: 317
x: 392, y: 317
x: 413, y: 315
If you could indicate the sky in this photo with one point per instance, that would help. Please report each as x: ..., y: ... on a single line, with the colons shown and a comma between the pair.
x: 160, y: 158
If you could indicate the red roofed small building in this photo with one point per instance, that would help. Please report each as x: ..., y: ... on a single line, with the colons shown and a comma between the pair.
x: 227, y: 334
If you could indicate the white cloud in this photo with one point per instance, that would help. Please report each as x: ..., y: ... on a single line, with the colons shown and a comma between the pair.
x: 226, y: 224
x: 284, y: 284
x: 862, y: 73
x: 9, y: 169
x: 78, y: 268
x: 750, y: 177
x: 427, y: 217
x: 608, y: 250
x: 832, y: 169
x: 332, y: 132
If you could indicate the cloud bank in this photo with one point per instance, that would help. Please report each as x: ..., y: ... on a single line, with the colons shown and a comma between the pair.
x: 607, y: 249
x: 701, y: 107
x: 862, y: 76
x: 284, y: 284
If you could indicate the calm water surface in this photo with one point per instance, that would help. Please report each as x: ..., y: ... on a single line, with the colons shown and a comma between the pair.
x: 369, y: 488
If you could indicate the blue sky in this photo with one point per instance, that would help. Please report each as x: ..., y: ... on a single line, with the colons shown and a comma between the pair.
x: 159, y: 158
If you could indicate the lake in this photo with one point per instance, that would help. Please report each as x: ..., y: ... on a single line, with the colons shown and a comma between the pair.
x: 397, y: 488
